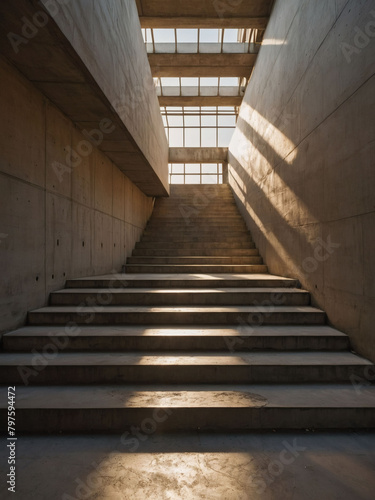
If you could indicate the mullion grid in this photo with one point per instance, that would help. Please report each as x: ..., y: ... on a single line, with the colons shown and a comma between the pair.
x: 255, y: 36
x: 217, y: 113
x: 218, y: 174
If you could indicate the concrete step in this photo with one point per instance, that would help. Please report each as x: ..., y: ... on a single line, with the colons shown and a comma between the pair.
x: 204, y: 252
x: 259, y: 367
x: 114, y: 409
x: 192, y: 238
x: 225, y: 315
x: 198, y: 260
x: 183, y: 338
x: 180, y: 297
x: 202, y: 211
x: 197, y: 268
x: 208, y: 222
x: 205, y: 232
x: 186, y: 209
x: 166, y: 229
x: 182, y: 281
x: 197, y: 221
x: 202, y: 216
x: 197, y: 245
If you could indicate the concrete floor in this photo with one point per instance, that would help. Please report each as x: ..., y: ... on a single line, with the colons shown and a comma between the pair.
x: 289, y: 466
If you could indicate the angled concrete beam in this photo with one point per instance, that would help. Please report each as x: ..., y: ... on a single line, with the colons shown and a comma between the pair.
x: 198, y: 155
x: 204, y: 22
x: 191, y: 60
x: 201, y: 71
x: 200, y: 101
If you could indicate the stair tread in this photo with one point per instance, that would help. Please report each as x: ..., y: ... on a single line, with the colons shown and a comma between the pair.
x: 259, y: 358
x: 190, y: 396
x: 181, y: 331
x: 177, y: 309
x: 186, y: 276
x: 173, y: 291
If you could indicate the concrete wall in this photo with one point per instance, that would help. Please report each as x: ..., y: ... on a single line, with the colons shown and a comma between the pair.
x: 55, y: 223
x: 302, y: 157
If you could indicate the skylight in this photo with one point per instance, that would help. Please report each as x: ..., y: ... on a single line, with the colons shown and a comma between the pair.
x: 193, y: 41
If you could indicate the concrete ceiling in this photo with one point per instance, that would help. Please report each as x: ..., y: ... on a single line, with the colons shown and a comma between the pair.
x: 204, y: 8
x: 204, y: 14
x: 203, y: 65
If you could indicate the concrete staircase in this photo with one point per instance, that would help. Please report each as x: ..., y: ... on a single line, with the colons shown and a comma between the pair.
x: 196, y: 334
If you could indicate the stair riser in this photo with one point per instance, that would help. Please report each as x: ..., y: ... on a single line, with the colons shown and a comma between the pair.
x: 90, y: 317
x: 181, y: 343
x: 242, y: 269
x: 200, y: 212
x: 212, y: 239
x: 181, y: 222
x: 198, y: 246
x: 196, y: 235
x: 198, y: 260
x: 156, y: 420
x: 150, y: 252
x: 188, y: 210
x: 204, y: 225
x: 177, y: 374
x: 177, y: 299
x: 180, y: 283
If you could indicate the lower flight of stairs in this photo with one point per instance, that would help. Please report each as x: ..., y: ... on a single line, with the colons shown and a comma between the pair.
x: 195, y: 335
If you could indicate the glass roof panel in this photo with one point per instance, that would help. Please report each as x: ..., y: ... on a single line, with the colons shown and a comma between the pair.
x: 192, y: 121
x: 187, y: 35
x: 189, y: 82
x: 175, y: 121
x: 230, y: 35
x: 209, y: 121
x: 164, y: 35
x: 170, y: 82
x: 210, y: 35
x: 209, y: 82
x: 229, y: 81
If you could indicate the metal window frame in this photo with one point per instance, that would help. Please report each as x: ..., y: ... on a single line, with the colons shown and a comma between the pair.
x: 218, y: 174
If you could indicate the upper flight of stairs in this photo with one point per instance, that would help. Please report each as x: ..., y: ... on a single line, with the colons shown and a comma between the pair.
x: 195, y: 331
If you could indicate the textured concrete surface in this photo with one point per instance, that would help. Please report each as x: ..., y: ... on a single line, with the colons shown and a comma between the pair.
x: 198, y: 155
x: 301, y: 159
x: 195, y: 466
x: 184, y: 338
x: 194, y: 396
x: 57, y: 222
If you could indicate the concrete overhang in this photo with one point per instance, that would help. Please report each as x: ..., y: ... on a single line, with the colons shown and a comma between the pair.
x: 75, y: 59
x: 188, y: 14
x: 204, y: 22
x: 202, y: 65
